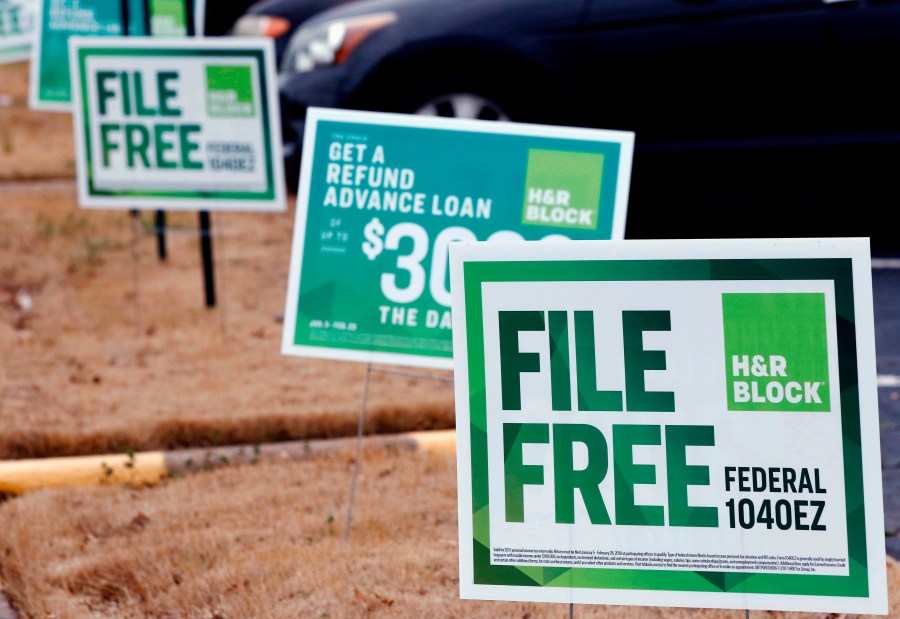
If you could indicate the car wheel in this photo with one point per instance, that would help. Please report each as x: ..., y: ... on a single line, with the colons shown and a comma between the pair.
x: 462, y: 105
x: 498, y: 91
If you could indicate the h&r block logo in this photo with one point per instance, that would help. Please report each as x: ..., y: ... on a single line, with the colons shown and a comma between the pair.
x: 229, y: 91
x: 776, y: 352
x: 562, y: 189
x: 168, y: 18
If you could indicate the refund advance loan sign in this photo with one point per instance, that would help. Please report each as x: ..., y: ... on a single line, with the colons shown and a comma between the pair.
x: 58, y: 20
x: 177, y: 124
x: 669, y: 423
x: 382, y: 196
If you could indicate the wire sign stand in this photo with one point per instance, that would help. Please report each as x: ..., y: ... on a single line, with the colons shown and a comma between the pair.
x: 370, y: 369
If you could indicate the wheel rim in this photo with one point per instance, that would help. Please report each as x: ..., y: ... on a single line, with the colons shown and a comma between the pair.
x: 463, y: 105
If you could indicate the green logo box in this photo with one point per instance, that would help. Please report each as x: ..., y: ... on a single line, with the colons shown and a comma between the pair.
x: 562, y: 189
x: 229, y: 91
x: 776, y: 351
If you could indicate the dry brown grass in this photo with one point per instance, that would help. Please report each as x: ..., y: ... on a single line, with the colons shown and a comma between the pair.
x: 32, y: 144
x: 118, y: 351
x: 267, y: 541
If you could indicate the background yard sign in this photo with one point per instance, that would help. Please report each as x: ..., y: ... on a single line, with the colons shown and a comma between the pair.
x: 177, y: 124
x: 16, y: 30
x: 50, y: 83
x: 382, y: 196
x: 669, y: 423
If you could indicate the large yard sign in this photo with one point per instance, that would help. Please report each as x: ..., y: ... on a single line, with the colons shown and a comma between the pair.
x: 177, y: 124
x: 50, y: 83
x: 669, y: 423
x: 382, y: 196
x: 16, y: 29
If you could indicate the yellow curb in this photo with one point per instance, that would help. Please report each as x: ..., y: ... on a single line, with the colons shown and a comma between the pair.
x: 437, y: 441
x: 18, y: 476
x: 147, y: 468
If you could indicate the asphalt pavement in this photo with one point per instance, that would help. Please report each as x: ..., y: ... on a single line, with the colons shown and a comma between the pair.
x: 886, y: 300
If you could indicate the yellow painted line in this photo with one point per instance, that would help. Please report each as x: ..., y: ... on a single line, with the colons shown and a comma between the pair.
x: 147, y: 468
x: 438, y: 441
x: 18, y: 476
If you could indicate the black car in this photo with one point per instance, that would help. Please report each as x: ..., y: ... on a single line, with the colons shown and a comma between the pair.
x: 220, y: 15
x: 752, y: 117
x: 277, y: 19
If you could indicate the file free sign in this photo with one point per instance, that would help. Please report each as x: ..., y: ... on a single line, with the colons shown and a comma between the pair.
x: 678, y: 423
x: 177, y: 124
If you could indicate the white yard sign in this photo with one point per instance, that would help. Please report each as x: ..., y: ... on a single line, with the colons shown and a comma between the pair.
x: 676, y: 423
x: 177, y: 124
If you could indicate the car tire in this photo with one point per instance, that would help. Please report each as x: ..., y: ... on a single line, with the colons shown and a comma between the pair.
x: 467, y: 105
x: 475, y: 97
x: 491, y: 92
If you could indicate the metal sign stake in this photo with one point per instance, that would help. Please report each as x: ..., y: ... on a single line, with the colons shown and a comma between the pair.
x: 136, y: 271
x: 209, y: 282
x: 359, y: 433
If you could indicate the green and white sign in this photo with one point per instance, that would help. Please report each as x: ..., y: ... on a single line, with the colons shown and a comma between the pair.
x: 382, y: 197
x: 16, y: 30
x: 179, y: 124
x: 50, y: 85
x: 669, y: 423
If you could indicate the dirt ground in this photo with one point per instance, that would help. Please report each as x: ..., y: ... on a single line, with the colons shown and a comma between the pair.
x: 268, y: 541
x: 106, y: 348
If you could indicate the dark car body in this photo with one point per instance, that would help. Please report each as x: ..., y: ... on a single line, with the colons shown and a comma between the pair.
x: 294, y: 12
x: 220, y: 15
x: 752, y: 117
